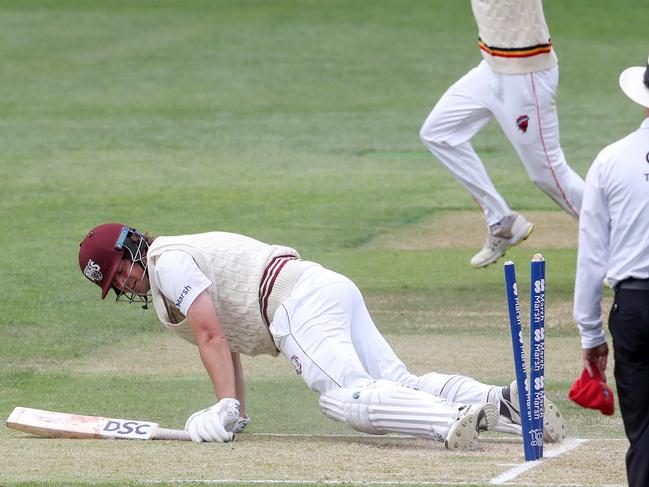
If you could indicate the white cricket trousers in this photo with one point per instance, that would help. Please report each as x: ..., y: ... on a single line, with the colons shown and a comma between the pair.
x: 326, y: 332
x: 524, y: 106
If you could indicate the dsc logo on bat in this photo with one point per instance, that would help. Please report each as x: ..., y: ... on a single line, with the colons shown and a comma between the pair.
x: 127, y: 429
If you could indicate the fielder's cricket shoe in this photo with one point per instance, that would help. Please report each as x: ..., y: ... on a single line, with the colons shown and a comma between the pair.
x: 463, y: 434
x: 509, y: 231
x: 554, y: 427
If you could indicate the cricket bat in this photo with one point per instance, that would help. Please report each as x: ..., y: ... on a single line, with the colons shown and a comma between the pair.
x: 52, y: 424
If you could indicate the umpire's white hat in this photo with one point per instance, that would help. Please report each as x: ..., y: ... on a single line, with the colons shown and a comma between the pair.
x: 634, y: 82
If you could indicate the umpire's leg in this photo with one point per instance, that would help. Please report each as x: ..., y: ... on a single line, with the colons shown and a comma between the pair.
x: 629, y: 326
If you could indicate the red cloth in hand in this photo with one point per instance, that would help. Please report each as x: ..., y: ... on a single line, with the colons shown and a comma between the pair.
x: 593, y: 392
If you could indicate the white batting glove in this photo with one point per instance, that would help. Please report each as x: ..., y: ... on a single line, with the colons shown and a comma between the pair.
x: 215, y: 423
x: 241, y: 425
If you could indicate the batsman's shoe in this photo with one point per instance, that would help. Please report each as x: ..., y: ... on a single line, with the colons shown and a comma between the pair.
x: 554, y: 427
x: 509, y: 231
x: 463, y: 434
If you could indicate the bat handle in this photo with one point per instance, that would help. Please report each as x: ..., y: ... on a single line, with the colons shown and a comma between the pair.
x: 169, y: 434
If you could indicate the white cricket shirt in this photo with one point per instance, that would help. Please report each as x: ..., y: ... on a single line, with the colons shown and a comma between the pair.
x: 179, y: 278
x: 613, y: 228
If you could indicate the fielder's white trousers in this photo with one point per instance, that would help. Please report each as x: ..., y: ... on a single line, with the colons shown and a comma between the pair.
x: 524, y: 106
x: 326, y: 332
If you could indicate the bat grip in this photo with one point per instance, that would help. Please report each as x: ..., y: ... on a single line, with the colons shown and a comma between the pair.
x: 169, y: 434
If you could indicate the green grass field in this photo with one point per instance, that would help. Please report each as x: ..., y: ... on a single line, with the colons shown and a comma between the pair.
x: 295, y: 122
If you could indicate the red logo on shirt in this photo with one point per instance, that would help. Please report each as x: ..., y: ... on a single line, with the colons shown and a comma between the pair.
x: 522, y: 123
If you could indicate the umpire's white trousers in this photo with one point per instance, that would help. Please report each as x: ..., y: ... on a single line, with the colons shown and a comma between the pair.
x: 326, y: 332
x: 524, y: 106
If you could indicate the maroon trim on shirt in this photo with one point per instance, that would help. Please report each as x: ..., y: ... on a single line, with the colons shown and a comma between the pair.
x: 271, y: 272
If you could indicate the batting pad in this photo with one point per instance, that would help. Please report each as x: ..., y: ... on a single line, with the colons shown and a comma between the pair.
x: 388, y: 407
x: 460, y: 389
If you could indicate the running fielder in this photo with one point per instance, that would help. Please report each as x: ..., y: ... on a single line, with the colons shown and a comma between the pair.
x: 516, y: 83
x: 230, y: 294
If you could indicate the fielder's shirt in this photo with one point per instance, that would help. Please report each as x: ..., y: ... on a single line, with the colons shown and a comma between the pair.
x: 514, y: 37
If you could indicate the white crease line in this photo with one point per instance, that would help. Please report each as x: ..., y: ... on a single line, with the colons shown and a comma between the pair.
x: 348, y: 482
x: 309, y: 482
x: 343, y: 436
x: 566, y: 446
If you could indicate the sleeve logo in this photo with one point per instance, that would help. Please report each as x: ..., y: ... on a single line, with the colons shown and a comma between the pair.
x: 183, y: 293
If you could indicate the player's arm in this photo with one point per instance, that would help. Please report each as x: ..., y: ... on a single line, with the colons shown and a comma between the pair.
x: 239, y: 383
x: 592, y: 259
x: 182, y: 282
x: 244, y: 419
x: 213, y: 345
x: 216, y: 423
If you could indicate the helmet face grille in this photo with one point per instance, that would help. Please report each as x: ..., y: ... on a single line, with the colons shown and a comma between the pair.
x: 136, y: 253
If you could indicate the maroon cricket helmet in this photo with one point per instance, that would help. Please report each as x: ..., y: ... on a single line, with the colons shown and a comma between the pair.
x: 101, y: 252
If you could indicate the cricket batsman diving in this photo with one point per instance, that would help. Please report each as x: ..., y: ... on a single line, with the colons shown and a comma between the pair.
x: 231, y: 295
x: 516, y: 83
